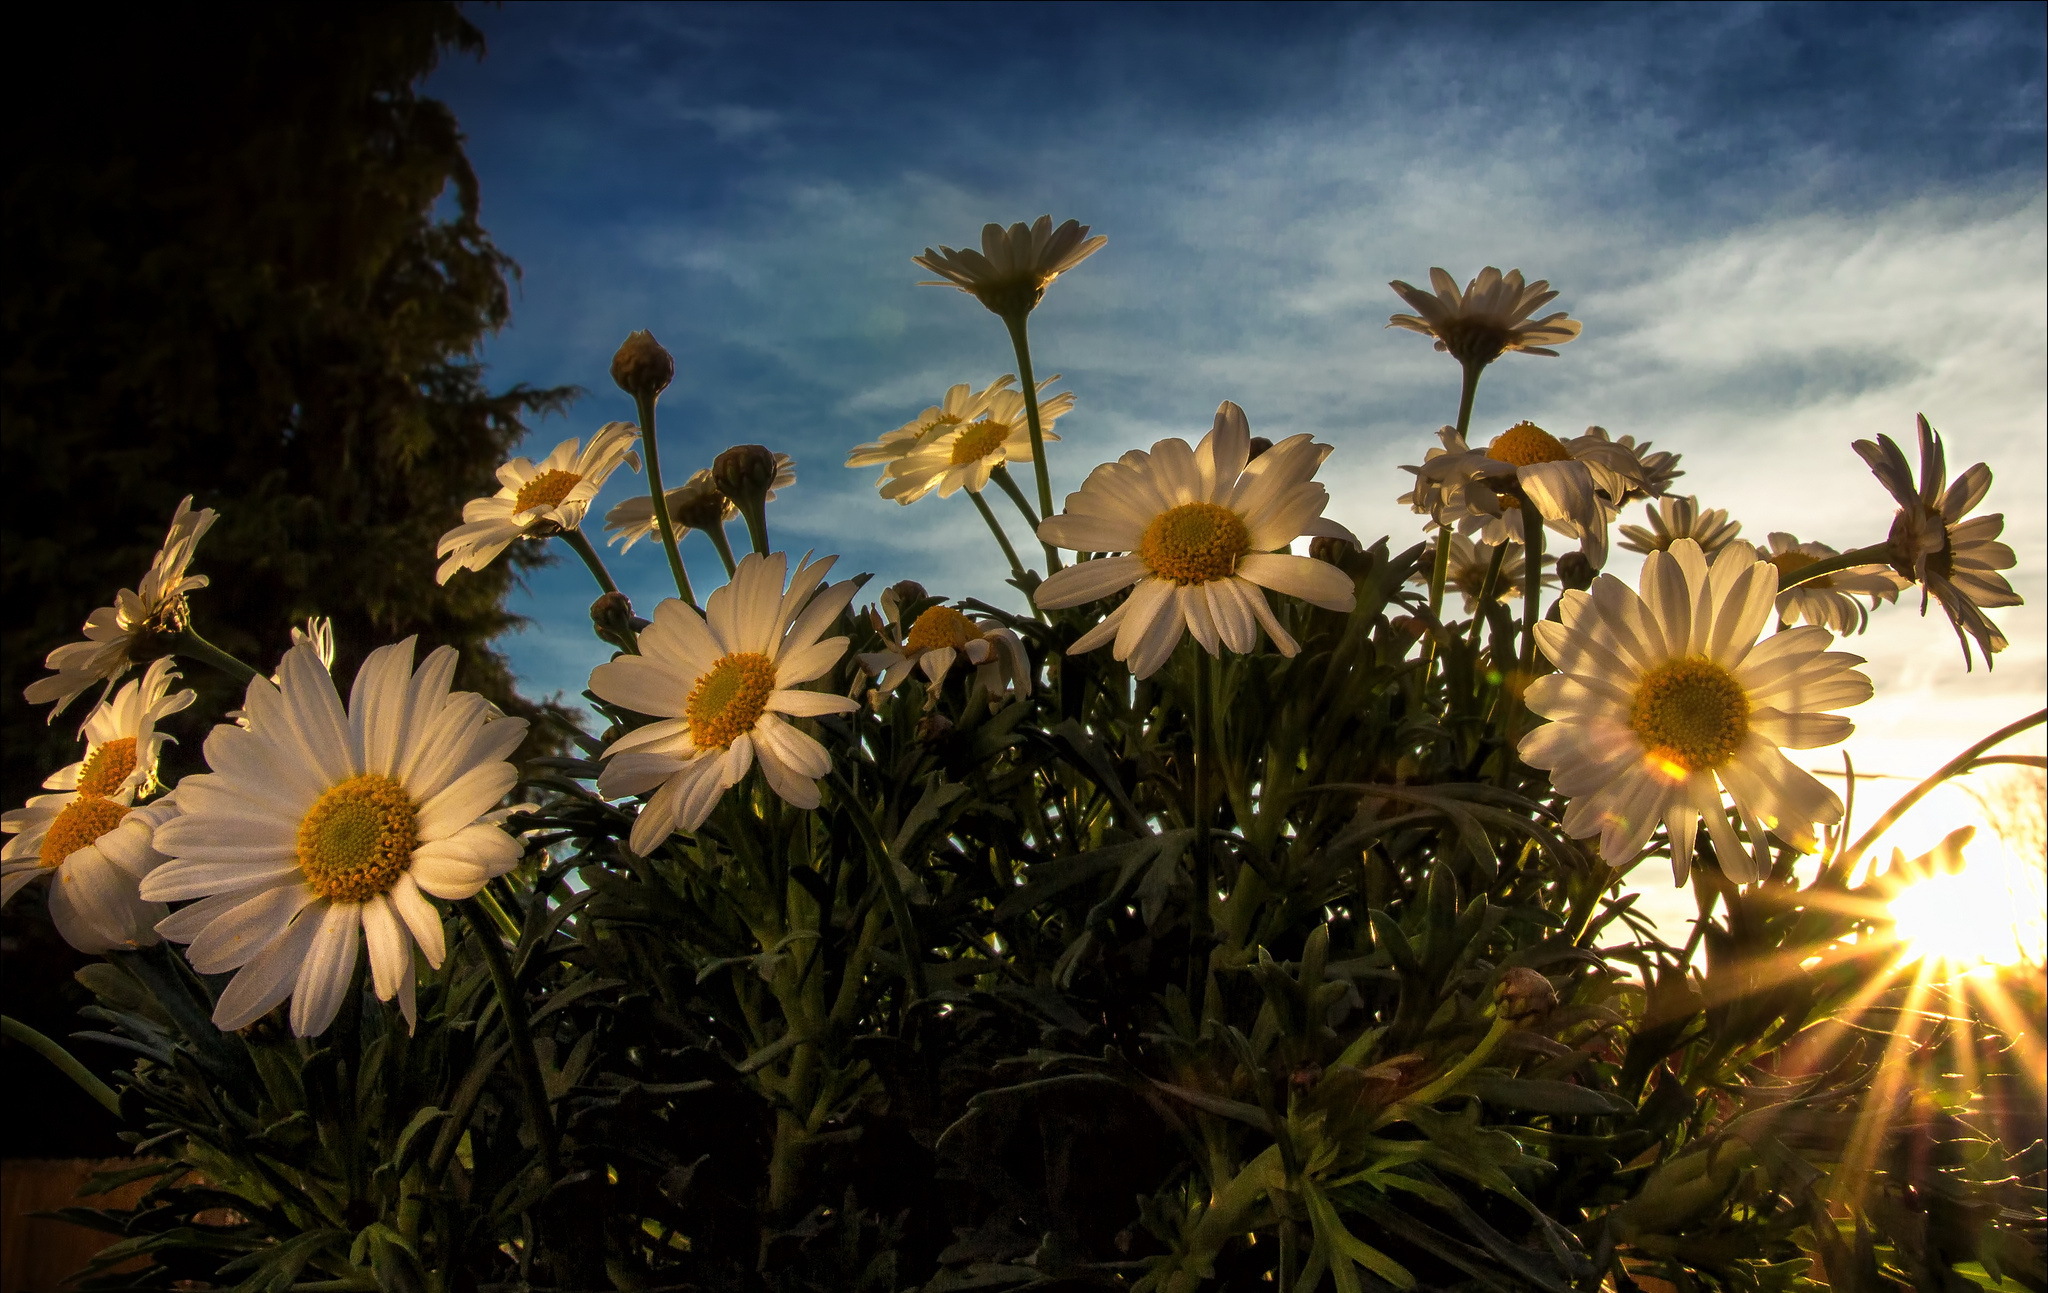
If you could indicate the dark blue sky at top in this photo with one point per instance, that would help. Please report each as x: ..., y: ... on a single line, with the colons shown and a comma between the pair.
x: 750, y: 181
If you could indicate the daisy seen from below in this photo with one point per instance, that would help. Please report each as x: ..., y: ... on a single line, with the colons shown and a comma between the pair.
x: 1680, y: 516
x: 1953, y: 560
x: 695, y: 504
x: 722, y: 688
x: 966, y: 456
x: 1831, y: 600
x: 1665, y: 699
x: 1574, y: 485
x: 961, y: 403
x: 1469, y: 563
x: 1202, y: 532
x: 1010, y: 273
x: 536, y: 500
x: 941, y: 637
x: 1491, y: 316
x: 137, y: 625
x: 319, y: 830
x: 1654, y: 470
x: 89, y: 838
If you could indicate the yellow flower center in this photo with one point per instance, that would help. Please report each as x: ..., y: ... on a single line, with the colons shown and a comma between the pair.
x: 83, y: 820
x: 941, y: 626
x: 107, y: 767
x: 358, y: 838
x: 979, y: 441
x: 1524, y: 444
x: 1789, y: 562
x: 1194, y: 543
x: 546, y: 490
x: 727, y: 702
x: 1690, y: 713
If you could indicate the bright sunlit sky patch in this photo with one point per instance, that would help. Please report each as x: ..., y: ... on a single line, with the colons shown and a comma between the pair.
x: 1783, y: 228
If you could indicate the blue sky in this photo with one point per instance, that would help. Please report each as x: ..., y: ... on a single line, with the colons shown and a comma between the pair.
x: 1784, y: 227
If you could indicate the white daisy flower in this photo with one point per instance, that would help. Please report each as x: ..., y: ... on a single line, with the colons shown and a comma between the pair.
x: 1654, y: 471
x: 319, y: 828
x: 1575, y: 485
x: 1490, y: 316
x: 1676, y: 517
x: 88, y: 838
x: 1010, y: 273
x: 135, y: 626
x: 938, y: 639
x: 1469, y: 563
x: 1661, y: 701
x: 961, y: 403
x: 1203, y: 531
x: 536, y: 500
x: 1829, y: 601
x: 695, y: 504
x: 950, y: 459
x: 722, y: 687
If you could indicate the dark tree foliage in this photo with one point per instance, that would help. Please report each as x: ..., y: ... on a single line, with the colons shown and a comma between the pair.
x: 243, y: 261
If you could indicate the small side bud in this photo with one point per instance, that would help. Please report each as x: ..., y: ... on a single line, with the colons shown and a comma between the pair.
x: 698, y: 505
x: 642, y: 367
x: 1409, y: 626
x: 899, y: 597
x: 611, y: 618
x: 1524, y: 997
x: 1341, y: 553
x: 1574, y: 571
x: 744, y: 474
x: 1259, y: 445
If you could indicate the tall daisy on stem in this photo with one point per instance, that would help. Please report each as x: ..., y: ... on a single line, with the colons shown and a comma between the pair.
x: 1009, y: 276
x: 540, y: 500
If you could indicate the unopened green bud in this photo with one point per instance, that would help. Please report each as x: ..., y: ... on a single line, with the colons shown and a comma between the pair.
x: 642, y: 368
x: 1574, y: 571
x: 1259, y: 445
x: 611, y: 617
x: 1524, y: 996
x: 744, y: 474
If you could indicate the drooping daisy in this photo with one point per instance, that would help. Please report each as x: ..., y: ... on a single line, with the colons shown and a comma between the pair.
x: 722, y: 687
x: 1829, y: 601
x: 1679, y: 516
x: 695, y: 504
x: 1203, y: 532
x: 1010, y: 273
x: 136, y: 626
x: 1491, y: 316
x: 940, y: 637
x: 1468, y: 566
x: 1574, y: 484
x: 961, y: 403
x: 965, y: 456
x: 1956, y: 561
x: 536, y: 499
x: 319, y: 828
x: 1663, y: 700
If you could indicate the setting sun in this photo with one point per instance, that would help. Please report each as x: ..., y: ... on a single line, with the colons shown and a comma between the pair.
x: 1967, y: 919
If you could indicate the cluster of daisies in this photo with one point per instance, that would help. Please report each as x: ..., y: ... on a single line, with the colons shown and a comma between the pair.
x: 324, y: 829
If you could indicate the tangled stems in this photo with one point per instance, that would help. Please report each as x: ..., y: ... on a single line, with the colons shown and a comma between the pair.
x: 1487, y: 588
x: 1020, y: 340
x: 645, y: 405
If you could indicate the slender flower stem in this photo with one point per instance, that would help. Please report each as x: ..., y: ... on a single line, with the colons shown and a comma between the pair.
x: 65, y: 1061
x: 1448, y: 1082
x: 1487, y: 588
x: 1466, y: 391
x: 1468, y: 387
x: 189, y: 644
x: 581, y: 547
x: 1961, y: 763
x: 1877, y: 554
x: 724, y: 546
x: 524, y: 1057
x: 651, y: 446
x: 1021, y: 341
x: 996, y: 528
x: 1532, y: 582
x: 1001, y: 476
x: 757, y: 527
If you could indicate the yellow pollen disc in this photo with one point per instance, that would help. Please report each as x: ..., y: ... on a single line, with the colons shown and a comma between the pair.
x: 1524, y: 444
x: 546, y: 490
x: 1690, y: 713
x: 979, y: 441
x: 1788, y: 562
x: 1194, y: 543
x: 727, y: 702
x: 358, y: 838
x: 107, y: 767
x: 941, y: 626
x: 83, y: 820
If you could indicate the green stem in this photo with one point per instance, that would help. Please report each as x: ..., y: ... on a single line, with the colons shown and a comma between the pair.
x: 1002, y: 477
x: 525, y: 1059
x: 193, y: 647
x: 1205, y: 871
x: 996, y: 528
x: 652, y: 448
x: 1877, y: 554
x: 756, y: 517
x: 1487, y: 587
x: 1020, y: 340
x: 1847, y: 862
x: 1466, y: 390
x: 581, y: 547
x: 65, y: 1061
x: 724, y: 546
x: 1532, y: 582
x: 1449, y: 1081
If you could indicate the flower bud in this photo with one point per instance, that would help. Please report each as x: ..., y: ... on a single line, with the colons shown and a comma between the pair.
x: 898, y: 599
x: 1259, y: 445
x: 611, y: 618
x: 933, y: 728
x: 642, y: 368
x: 698, y: 505
x: 1409, y: 626
x: 744, y: 472
x: 1574, y: 571
x: 1341, y: 553
x: 1525, y: 997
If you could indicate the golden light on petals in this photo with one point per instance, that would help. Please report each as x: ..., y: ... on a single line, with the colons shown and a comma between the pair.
x: 979, y: 441
x: 941, y: 626
x: 83, y: 821
x: 358, y: 838
x: 1690, y: 713
x: 108, y: 768
x: 1194, y: 543
x: 729, y: 699
x: 548, y: 489
x: 1525, y: 444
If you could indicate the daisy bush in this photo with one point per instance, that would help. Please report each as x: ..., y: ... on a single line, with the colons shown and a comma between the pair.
x: 1226, y: 907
